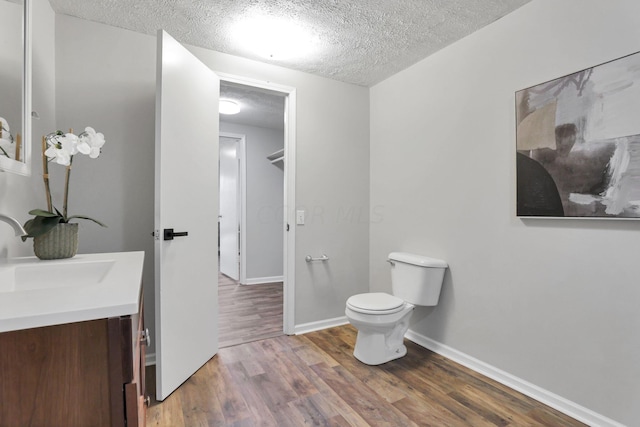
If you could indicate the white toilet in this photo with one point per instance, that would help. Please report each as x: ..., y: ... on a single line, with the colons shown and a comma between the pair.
x: 383, y: 319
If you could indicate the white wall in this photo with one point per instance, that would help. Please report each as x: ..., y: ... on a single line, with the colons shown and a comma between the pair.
x: 553, y: 302
x: 106, y: 79
x: 264, y: 201
x: 19, y: 194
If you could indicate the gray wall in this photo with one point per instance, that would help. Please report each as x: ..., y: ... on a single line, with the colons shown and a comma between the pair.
x: 19, y: 194
x: 553, y: 302
x: 332, y: 183
x: 106, y: 79
x: 264, y: 201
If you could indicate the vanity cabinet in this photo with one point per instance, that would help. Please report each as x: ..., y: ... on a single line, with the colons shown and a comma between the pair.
x: 83, y: 374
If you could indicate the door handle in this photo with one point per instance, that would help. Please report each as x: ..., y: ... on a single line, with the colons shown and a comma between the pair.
x: 169, y: 234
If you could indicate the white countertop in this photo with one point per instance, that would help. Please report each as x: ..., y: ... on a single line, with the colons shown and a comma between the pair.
x: 115, y: 291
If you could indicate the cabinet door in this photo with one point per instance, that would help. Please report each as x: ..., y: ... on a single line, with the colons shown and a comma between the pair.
x: 56, y: 376
x: 135, y: 390
x: 126, y: 370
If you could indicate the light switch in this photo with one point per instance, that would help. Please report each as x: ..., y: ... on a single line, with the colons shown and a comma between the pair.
x: 300, y: 217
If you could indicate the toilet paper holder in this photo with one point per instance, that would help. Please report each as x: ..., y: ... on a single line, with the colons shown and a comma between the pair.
x: 309, y: 258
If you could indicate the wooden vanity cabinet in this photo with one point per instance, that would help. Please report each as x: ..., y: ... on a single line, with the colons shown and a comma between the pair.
x: 77, y: 374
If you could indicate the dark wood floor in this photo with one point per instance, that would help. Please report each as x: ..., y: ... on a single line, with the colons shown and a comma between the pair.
x: 314, y: 379
x: 248, y: 312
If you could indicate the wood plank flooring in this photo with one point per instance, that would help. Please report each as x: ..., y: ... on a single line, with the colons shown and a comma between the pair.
x: 248, y: 312
x: 314, y: 380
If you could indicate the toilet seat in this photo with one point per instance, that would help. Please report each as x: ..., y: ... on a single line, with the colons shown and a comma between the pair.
x: 375, y: 303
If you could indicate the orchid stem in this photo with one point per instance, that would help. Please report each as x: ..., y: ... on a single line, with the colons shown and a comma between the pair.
x: 45, y: 175
x: 66, y: 186
x: 66, y: 189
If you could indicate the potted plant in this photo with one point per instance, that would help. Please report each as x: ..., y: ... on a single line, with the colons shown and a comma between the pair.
x: 55, y: 237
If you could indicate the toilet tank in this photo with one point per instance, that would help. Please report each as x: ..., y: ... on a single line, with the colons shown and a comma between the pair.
x: 416, y: 279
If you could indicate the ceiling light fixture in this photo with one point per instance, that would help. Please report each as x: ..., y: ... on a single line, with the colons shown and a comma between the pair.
x: 228, y: 106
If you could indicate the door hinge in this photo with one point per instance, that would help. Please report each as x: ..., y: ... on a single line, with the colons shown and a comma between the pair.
x: 287, y: 227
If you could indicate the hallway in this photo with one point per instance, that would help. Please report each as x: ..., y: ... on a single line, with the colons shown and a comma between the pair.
x: 248, y: 312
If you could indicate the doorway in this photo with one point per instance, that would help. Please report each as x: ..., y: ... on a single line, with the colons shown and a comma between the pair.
x: 231, y: 195
x: 255, y: 241
x: 186, y: 316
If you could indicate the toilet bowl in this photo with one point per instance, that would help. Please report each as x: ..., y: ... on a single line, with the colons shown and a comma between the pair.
x: 383, y: 319
x: 381, y: 326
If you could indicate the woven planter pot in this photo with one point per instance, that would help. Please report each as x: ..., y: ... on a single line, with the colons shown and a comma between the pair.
x: 58, y: 243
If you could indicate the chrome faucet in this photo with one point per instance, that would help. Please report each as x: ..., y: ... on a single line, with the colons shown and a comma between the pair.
x: 14, y: 223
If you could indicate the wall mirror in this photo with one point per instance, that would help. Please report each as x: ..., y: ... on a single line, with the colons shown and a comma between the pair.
x: 15, y: 86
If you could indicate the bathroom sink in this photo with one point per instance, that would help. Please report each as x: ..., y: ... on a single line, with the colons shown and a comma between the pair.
x: 37, y: 274
x: 36, y: 293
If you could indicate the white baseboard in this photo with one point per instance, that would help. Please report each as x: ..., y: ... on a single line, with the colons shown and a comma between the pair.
x: 322, y: 324
x: 559, y: 403
x: 264, y: 280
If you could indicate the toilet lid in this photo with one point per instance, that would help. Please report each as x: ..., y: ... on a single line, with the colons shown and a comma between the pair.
x: 375, y: 303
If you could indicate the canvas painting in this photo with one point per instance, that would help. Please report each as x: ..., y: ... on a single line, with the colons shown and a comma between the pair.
x: 578, y: 144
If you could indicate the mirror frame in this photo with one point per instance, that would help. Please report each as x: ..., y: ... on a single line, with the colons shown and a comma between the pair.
x: 9, y: 165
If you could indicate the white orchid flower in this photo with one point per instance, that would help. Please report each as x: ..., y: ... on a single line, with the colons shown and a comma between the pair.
x: 7, y: 148
x: 62, y: 148
x: 70, y: 143
x: 60, y: 155
x: 6, y: 142
x: 90, y: 142
x: 5, y: 124
x: 5, y: 134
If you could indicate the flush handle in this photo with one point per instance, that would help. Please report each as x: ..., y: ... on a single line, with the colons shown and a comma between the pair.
x: 169, y: 234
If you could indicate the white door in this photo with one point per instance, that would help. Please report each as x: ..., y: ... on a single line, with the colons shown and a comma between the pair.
x: 186, y: 183
x: 229, y: 198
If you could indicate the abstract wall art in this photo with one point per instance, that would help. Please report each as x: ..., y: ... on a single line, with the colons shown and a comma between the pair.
x: 578, y: 144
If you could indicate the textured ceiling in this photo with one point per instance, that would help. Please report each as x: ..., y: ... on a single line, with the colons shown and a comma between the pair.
x: 355, y: 41
x: 258, y: 107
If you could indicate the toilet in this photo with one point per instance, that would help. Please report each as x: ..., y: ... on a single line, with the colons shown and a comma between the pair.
x: 383, y: 319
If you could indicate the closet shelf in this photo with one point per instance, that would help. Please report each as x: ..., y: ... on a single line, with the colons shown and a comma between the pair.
x: 276, y: 157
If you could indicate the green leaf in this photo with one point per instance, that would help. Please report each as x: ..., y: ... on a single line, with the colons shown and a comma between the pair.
x: 26, y: 226
x: 86, y: 217
x: 42, y: 212
x: 40, y: 225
